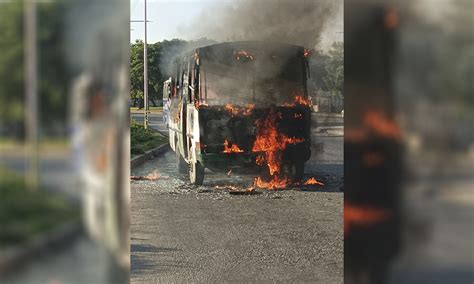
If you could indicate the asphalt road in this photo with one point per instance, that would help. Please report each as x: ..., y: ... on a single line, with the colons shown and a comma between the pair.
x: 180, y: 233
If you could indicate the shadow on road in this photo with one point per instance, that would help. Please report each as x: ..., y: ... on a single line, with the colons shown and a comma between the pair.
x: 143, y: 259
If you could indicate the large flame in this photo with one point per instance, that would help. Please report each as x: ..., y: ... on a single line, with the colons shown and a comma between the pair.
x: 270, y: 144
x: 231, y: 148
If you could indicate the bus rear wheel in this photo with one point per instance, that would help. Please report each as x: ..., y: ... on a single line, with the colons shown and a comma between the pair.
x: 196, y: 173
x: 298, y: 171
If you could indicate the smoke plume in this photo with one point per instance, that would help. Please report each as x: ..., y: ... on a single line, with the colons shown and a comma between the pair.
x: 299, y: 22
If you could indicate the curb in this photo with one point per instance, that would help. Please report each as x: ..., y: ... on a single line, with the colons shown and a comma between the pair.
x: 12, y: 258
x: 162, y: 133
x: 139, y: 160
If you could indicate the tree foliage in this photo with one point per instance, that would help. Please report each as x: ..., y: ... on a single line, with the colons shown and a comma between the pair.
x: 53, y: 75
x: 157, y: 59
x: 334, y: 77
x: 11, y: 62
x: 160, y: 60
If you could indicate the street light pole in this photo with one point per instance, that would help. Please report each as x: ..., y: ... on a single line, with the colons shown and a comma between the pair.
x: 31, y: 93
x: 145, y: 73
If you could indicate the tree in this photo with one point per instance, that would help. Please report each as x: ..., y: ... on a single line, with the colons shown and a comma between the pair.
x: 53, y: 74
x: 155, y: 78
x: 334, y: 77
x: 136, y: 72
x: 161, y: 56
x: 11, y: 63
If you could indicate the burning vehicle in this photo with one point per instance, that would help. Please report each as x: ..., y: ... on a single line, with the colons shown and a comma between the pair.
x: 241, y: 107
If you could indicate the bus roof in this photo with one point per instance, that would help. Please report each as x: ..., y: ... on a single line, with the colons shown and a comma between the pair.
x: 227, y: 50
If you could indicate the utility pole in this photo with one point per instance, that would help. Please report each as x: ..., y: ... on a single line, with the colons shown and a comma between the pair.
x: 145, y: 68
x: 145, y: 73
x: 31, y: 94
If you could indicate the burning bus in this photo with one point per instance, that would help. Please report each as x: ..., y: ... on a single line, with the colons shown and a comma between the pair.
x: 241, y: 107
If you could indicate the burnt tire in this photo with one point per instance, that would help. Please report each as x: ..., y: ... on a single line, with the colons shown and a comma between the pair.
x: 298, y: 171
x: 181, y: 165
x: 196, y: 173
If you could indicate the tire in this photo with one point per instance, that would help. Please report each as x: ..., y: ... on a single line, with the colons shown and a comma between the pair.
x: 181, y: 164
x: 298, y: 171
x: 196, y: 173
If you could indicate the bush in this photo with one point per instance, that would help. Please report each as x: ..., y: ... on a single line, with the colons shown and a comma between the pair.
x: 25, y: 214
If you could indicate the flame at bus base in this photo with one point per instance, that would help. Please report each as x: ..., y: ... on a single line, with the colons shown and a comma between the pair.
x: 270, y: 144
x: 312, y: 181
x: 274, y: 183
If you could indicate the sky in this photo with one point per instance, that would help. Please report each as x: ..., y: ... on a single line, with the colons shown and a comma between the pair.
x: 170, y: 17
x: 167, y: 17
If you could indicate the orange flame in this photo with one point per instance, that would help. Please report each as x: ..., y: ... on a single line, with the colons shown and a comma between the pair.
x: 293, y: 140
x: 299, y: 100
x: 271, y: 143
x: 275, y: 183
x: 374, y: 123
x: 382, y: 125
x: 231, y: 109
x: 248, y: 111
x: 232, y: 149
x: 312, y: 181
x: 235, y: 110
x: 302, y: 101
x: 363, y: 216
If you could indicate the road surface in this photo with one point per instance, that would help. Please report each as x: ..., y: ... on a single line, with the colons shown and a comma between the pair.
x: 181, y: 233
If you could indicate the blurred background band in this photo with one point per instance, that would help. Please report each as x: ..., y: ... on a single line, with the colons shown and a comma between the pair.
x: 72, y: 102
x: 408, y: 143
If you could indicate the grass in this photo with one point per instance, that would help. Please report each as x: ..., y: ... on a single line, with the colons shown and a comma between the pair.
x: 8, y: 144
x: 142, y: 140
x: 25, y: 214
